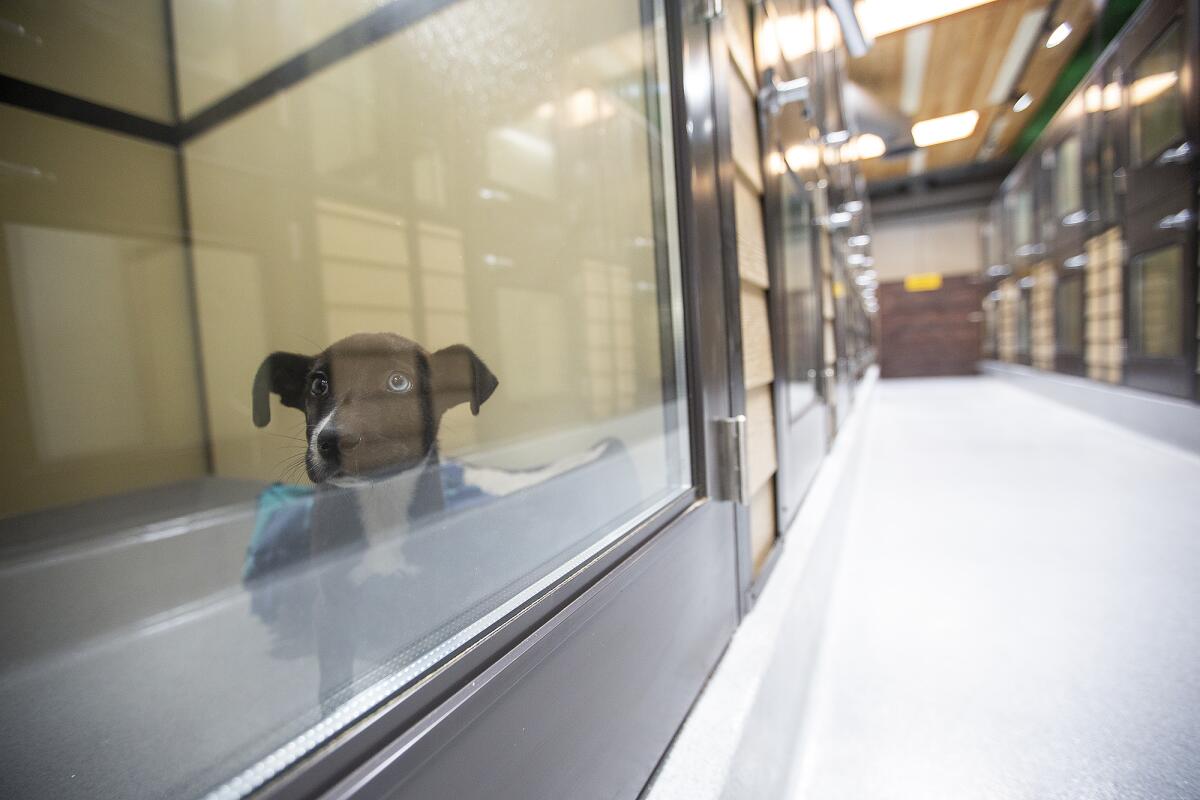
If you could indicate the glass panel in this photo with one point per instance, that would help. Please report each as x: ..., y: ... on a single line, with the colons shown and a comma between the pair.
x: 1067, y: 183
x: 1068, y: 316
x: 298, y: 408
x: 1019, y: 206
x: 1155, y: 96
x: 801, y: 295
x: 111, y: 53
x: 1108, y: 101
x: 1156, y: 318
x: 1023, y: 323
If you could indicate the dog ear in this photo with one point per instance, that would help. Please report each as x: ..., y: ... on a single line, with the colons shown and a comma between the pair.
x: 459, y: 376
x: 284, y: 374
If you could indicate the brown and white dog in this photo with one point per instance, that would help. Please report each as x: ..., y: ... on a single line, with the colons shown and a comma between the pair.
x: 372, y: 403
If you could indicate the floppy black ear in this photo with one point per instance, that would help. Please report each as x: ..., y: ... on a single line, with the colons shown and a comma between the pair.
x: 284, y: 374
x: 459, y: 376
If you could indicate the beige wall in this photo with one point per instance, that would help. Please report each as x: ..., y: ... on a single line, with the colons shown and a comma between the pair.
x: 946, y: 242
x: 97, y: 377
x: 112, y: 52
x: 757, y: 360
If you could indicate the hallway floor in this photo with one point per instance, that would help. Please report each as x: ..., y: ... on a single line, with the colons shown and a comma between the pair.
x: 1017, y: 608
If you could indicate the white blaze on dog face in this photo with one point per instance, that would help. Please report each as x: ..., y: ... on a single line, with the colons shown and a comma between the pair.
x: 370, y: 396
x: 372, y: 401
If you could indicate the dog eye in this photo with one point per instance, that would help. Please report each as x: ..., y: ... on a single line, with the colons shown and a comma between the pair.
x: 319, y: 386
x: 398, y: 382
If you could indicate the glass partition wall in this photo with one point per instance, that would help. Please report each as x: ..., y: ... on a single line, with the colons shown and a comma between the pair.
x: 332, y: 334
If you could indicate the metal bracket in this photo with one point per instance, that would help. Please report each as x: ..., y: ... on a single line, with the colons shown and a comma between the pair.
x: 775, y: 94
x: 733, y: 463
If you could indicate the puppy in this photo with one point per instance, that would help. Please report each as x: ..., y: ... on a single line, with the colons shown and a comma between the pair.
x: 372, y: 401
x: 372, y: 404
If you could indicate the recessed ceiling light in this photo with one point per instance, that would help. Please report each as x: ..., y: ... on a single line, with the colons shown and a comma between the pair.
x: 1023, y: 102
x: 945, y: 129
x: 1059, y: 35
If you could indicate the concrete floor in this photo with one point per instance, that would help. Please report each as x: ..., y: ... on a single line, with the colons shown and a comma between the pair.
x: 1017, y: 609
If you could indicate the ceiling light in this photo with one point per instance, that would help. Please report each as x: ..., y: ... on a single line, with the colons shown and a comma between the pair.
x: 1023, y: 40
x: 1059, y: 35
x: 870, y: 146
x: 802, y: 157
x: 861, y: 240
x: 1023, y: 102
x: 1146, y: 89
x: 945, y: 129
x: 879, y: 17
x: 853, y: 206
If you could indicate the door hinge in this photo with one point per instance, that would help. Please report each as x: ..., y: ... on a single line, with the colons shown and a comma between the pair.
x: 733, y: 464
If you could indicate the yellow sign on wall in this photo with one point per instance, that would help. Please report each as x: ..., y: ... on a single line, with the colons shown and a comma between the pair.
x: 923, y: 282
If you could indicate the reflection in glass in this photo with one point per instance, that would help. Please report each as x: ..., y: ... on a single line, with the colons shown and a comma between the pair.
x: 298, y: 409
x: 1067, y: 183
x: 1156, y: 318
x: 801, y: 297
x: 1155, y: 96
x: 1068, y: 315
x: 1024, y: 323
x: 1019, y: 209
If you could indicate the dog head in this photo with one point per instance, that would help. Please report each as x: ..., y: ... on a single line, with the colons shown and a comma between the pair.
x: 372, y: 401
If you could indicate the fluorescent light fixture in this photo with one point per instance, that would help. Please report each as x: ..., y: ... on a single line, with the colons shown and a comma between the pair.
x: 949, y: 128
x: 879, y: 17
x: 856, y: 260
x: 1023, y: 102
x: 802, y: 157
x: 840, y: 219
x: 1107, y: 98
x: 797, y: 35
x: 916, y: 58
x: 853, y: 206
x: 1025, y: 37
x: 870, y: 146
x: 1059, y: 35
x: 861, y: 240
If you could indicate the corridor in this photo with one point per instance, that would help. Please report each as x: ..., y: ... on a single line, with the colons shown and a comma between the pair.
x: 1015, y: 610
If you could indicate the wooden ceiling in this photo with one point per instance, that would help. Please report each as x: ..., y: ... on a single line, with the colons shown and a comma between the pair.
x: 965, y: 52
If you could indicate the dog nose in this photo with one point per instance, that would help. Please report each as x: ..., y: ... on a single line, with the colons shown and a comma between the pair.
x: 331, y: 443
x: 327, y: 444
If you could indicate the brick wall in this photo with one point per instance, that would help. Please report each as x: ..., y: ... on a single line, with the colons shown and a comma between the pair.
x: 930, y: 333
